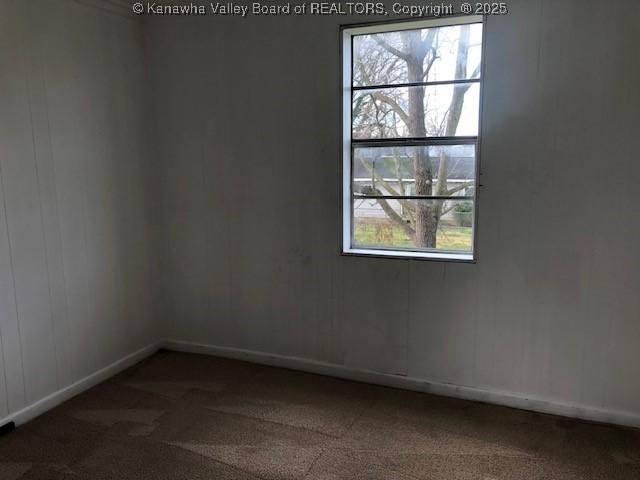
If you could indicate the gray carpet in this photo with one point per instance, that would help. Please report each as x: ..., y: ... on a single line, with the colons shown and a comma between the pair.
x: 181, y: 416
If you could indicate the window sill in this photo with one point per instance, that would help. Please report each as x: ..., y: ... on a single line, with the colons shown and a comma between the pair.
x: 407, y: 255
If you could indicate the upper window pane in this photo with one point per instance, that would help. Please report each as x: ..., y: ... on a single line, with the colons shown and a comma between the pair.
x: 446, y: 111
x: 426, y: 55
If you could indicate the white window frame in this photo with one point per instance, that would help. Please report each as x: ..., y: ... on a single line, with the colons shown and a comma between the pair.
x: 394, y: 26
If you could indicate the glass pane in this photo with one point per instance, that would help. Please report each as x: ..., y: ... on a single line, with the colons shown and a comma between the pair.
x: 443, y: 170
x: 436, y: 54
x: 448, y: 110
x: 426, y: 225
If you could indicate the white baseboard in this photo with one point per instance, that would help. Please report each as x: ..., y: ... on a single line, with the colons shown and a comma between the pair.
x: 56, y: 398
x: 508, y: 399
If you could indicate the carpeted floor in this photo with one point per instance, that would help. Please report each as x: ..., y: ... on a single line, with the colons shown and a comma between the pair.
x: 181, y: 416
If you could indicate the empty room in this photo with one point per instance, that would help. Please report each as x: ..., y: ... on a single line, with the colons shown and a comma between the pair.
x: 295, y: 240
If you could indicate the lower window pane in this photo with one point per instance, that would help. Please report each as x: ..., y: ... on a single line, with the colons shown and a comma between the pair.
x: 424, y: 224
x: 392, y: 170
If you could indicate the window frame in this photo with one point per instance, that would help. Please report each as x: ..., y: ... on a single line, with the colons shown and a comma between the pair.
x: 347, y: 32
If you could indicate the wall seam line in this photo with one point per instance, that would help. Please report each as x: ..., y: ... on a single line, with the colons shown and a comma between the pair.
x: 13, y: 280
x: 26, y: 65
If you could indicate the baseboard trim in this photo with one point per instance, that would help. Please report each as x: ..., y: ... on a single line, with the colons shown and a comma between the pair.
x: 50, y: 401
x: 507, y: 399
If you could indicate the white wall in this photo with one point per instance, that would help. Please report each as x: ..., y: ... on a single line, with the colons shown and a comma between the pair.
x: 248, y: 115
x: 76, y: 205
x: 250, y: 254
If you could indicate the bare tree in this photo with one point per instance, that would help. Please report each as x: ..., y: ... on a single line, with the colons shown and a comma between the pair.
x: 412, y: 56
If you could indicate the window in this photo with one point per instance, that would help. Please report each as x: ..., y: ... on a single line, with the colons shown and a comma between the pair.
x: 411, y: 115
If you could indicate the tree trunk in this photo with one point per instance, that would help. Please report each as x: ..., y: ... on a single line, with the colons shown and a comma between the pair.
x: 429, y: 215
x: 426, y: 211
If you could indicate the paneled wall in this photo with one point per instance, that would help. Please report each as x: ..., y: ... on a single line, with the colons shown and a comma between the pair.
x: 249, y: 135
x: 223, y: 226
x: 76, y: 198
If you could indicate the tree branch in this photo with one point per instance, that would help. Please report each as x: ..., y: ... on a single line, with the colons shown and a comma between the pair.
x: 430, y: 43
x: 391, y: 213
x: 406, y: 204
x: 393, y: 104
x: 429, y: 65
x: 394, y: 51
x: 446, y: 210
x: 462, y: 186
